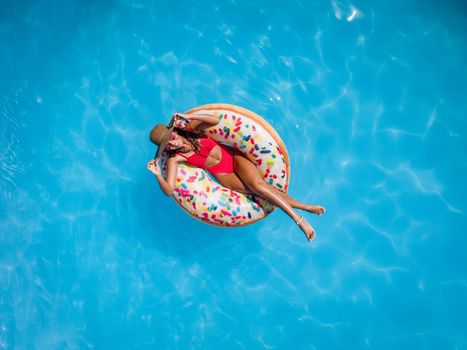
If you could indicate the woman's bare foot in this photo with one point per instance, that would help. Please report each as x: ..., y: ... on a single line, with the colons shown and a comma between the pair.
x: 306, y: 228
x: 315, y: 209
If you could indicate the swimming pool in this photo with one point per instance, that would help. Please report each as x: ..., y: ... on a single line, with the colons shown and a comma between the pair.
x: 369, y: 98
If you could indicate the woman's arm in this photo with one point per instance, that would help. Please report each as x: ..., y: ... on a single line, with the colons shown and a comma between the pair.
x: 196, y: 122
x: 167, y: 185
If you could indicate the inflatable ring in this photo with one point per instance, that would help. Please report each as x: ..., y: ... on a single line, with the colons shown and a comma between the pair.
x: 205, y: 199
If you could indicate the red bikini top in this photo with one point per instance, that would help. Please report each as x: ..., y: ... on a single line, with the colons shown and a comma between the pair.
x: 199, y: 159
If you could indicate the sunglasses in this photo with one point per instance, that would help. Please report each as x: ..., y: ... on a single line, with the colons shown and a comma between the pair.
x: 172, y: 137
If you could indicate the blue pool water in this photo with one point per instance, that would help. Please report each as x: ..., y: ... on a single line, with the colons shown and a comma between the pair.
x: 369, y: 98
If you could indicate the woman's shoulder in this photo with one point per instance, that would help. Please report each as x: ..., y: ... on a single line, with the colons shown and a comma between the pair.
x: 176, y: 157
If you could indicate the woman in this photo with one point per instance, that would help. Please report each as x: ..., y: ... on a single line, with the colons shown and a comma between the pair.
x: 185, y: 141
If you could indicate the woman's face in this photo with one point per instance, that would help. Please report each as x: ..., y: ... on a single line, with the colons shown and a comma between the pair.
x: 175, y: 141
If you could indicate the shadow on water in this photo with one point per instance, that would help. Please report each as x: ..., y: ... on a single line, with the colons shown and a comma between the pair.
x: 164, y: 227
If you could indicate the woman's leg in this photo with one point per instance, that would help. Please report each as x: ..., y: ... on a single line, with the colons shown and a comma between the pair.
x: 315, y: 209
x: 233, y: 182
x: 250, y: 176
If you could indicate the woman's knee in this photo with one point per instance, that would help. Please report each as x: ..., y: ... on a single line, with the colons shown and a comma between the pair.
x: 258, y: 185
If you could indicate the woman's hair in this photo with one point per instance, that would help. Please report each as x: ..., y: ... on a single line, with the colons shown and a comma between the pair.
x: 192, y: 138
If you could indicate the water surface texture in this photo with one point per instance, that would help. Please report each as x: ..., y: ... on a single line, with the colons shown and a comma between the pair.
x: 369, y: 98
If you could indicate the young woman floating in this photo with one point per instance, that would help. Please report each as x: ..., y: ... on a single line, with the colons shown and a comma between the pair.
x: 186, y: 141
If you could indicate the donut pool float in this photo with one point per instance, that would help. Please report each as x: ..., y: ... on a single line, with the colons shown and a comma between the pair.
x: 204, y: 198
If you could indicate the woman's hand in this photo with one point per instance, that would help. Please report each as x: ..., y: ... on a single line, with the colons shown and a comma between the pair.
x: 182, y: 121
x: 153, y: 167
x: 196, y: 122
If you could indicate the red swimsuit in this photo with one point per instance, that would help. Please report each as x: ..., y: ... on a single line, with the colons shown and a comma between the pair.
x: 225, y: 165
